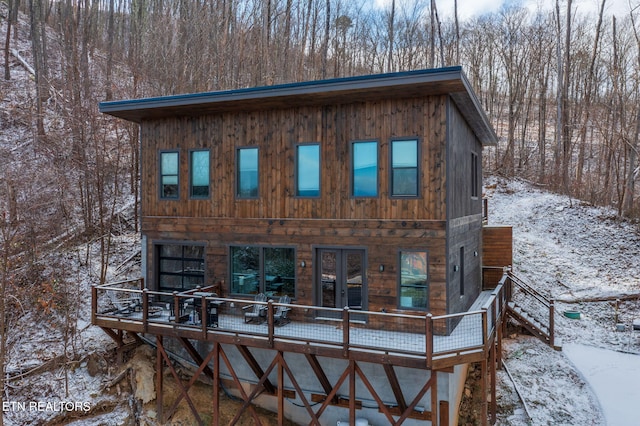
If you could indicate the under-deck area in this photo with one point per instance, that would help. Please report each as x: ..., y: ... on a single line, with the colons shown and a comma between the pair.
x: 257, y: 330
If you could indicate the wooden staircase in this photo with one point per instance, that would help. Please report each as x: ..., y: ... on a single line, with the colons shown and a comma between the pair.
x: 532, y: 310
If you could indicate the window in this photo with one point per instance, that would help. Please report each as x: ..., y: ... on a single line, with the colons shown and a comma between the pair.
x: 414, y: 290
x: 308, y: 170
x: 461, y: 271
x: 404, y: 168
x: 247, y: 173
x: 180, y: 267
x: 269, y: 270
x: 169, y: 162
x: 199, y: 167
x: 365, y: 169
x: 474, y: 175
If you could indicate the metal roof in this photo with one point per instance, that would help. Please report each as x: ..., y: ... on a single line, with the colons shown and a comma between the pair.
x: 420, y: 83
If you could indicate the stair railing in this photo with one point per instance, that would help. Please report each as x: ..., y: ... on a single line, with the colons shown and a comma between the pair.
x: 534, y: 303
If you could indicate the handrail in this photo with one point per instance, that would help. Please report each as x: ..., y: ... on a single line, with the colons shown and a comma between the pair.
x: 547, y: 302
x: 490, y: 314
x: 532, y: 291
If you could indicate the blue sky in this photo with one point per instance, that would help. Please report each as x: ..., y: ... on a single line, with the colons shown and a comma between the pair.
x: 472, y: 8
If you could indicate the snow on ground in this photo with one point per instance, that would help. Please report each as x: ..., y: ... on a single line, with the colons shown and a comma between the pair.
x: 602, y: 368
x: 574, y: 253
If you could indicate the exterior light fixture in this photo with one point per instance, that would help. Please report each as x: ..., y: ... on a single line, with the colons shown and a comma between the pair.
x: 303, y: 264
x: 381, y: 268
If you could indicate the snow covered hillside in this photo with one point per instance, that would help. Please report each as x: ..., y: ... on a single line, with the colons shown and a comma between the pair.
x: 577, y: 254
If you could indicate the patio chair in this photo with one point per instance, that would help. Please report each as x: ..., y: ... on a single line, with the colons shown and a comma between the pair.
x: 125, y: 303
x: 280, y: 315
x: 257, y: 310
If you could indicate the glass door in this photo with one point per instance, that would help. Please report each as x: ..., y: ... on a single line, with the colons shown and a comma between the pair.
x: 341, y: 280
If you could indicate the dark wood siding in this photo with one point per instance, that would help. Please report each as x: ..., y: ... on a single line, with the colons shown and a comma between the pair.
x: 464, y: 214
x: 462, y: 143
x: 382, y: 239
x: 276, y: 134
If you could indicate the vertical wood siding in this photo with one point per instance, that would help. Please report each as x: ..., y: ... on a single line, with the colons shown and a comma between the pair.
x: 276, y: 133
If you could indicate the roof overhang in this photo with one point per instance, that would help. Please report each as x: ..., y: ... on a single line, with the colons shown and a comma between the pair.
x: 411, y: 84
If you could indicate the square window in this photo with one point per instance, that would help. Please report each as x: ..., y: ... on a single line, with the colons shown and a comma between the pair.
x: 268, y: 270
x: 180, y: 267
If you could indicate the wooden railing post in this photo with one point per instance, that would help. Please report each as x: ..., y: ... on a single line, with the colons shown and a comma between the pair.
x: 142, y: 287
x: 428, y: 338
x: 203, y: 316
x: 485, y: 329
x: 270, y: 322
x: 145, y: 309
x: 176, y: 307
x: 345, y: 332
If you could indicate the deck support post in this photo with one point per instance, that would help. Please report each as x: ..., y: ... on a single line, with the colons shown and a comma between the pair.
x: 159, y: 374
x: 280, y: 387
x: 216, y: 384
x: 492, y: 373
x: 434, y: 398
x: 484, y: 412
x: 352, y: 392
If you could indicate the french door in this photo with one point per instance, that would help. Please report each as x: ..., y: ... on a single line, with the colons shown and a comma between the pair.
x: 341, y: 278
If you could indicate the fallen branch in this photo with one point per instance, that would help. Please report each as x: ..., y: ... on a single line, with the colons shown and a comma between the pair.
x: 23, y: 62
x: 45, y: 366
x: 116, y: 379
x: 593, y: 299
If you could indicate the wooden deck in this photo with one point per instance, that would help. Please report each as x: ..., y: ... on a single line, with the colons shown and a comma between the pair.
x: 352, y: 334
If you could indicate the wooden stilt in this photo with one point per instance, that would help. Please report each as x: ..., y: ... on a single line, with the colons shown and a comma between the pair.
x: 483, y: 389
x: 492, y: 373
x: 444, y: 413
x: 352, y: 392
x: 434, y: 397
x: 159, y: 374
x: 216, y: 384
x: 281, y: 389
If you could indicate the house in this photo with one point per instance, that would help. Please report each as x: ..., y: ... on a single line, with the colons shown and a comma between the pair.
x: 362, y: 193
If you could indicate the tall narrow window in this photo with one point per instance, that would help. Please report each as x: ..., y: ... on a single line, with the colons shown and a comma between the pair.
x: 247, y: 173
x: 404, y: 168
x: 199, y: 167
x: 365, y: 169
x: 308, y: 170
x: 414, y: 289
x: 474, y: 175
x: 169, y: 174
x: 461, y: 271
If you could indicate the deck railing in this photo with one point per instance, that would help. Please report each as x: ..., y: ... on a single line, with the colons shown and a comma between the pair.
x: 129, y: 306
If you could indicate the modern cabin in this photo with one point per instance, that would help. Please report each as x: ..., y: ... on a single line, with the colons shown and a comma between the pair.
x: 356, y: 198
